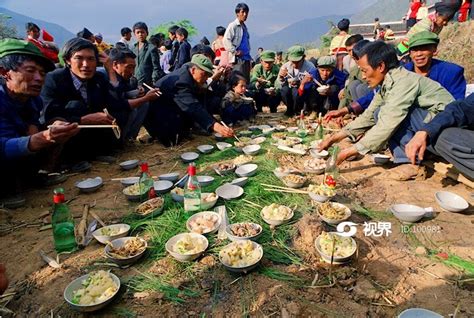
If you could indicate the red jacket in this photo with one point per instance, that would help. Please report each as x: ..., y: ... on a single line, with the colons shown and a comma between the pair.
x: 47, y: 52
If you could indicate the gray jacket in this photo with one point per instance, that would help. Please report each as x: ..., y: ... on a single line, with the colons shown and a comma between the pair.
x: 232, y: 38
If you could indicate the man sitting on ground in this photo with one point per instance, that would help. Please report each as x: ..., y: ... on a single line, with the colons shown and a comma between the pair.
x: 405, y: 101
x: 24, y: 144
x: 263, y: 80
x: 171, y: 116
x: 450, y: 134
x: 330, y: 83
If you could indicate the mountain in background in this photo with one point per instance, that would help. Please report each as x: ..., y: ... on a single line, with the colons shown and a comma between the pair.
x: 61, y: 35
x: 304, y: 32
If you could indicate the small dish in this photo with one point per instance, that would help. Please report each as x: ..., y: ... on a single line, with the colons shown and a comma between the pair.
x: 89, y: 185
x: 451, y: 202
x: 258, y: 140
x: 151, y: 207
x: 208, y: 200
x: 111, y: 232
x: 206, y: 222
x: 257, y: 248
x: 120, y: 242
x: 246, y: 170
x: 162, y: 186
x: 172, y: 176
x: 408, y: 213
x: 204, y: 149
x: 229, y: 191
x: 204, y: 181
x: 189, y: 157
x: 276, y: 214
x: 240, y: 181
x: 315, y: 153
x: 193, y: 237
x: 322, y: 89
x: 177, y: 194
x: 251, y: 149
x: 419, y: 313
x: 334, y: 205
x: 240, y: 231
x: 335, y: 259
x: 224, y: 168
x: 223, y: 145
x: 219, y: 136
x: 129, y: 164
x: 129, y: 181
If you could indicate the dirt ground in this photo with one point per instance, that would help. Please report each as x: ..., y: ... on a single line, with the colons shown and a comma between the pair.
x: 388, y: 275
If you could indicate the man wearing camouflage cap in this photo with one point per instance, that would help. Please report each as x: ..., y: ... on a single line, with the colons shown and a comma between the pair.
x: 263, y: 80
x: 183, y: 104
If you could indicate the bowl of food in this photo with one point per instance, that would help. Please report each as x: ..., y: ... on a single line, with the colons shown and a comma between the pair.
x: 208, y: 200
x: 151, y: 207
x: 177, y: 194
x: 322, y: 89
x: 321, y: 193
x: 129, y: 164
x: 223, y: 145
x: 204, y: 149
x: 315, y: 153
x: 229, y: 191
x: 267, y: 131
x: 186, y: 247
x: 129, y: 181
x: 224, y: 168
x: 281, y: 172
x: 188, y: 157
x: 204, y: 181
x: 292, y: 129
x: 126, y: 250
x: 280, y: 127
x: 333, y: 212
x: 240, y: 181
x: 243, y: 231
x: 111, y: 232
x: 380, y: 159
x: 133, y: 192
x: 258, y: 140
x: 276, y: 214
x: 278, y: 135
x: 246, y: 170
x: 251, y: 149
x: 245, y: 133
x: 241, y: 257
x: 409, y: 213
x: 295, y: 181
x: 92, y: 292
x: 242, y: 159
x: 334, y: 246
x: 172, y: 176
x: 315, y: 165
x: 450, y: 201
x: 204, y: 222
x: 89, y: 185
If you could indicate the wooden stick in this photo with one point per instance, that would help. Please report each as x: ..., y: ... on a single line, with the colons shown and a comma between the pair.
x: 174, y: 166
x: 280, y: 187
x: 285, y: 191
x: 95, y: 216
x: 252, y: 203
x: 150, y: 88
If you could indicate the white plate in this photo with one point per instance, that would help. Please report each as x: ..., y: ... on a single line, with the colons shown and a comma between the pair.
x: 246, y: 170
x: 451, y: 201
x: 229, y: 191
x: 189, y: 156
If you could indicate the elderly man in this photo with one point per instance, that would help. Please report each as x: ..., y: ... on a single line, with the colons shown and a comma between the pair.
x: 237, y: 41
x: 24, y: 143
x: 405, y: 101
x: 330, y: 82
x: 183, y: 104
x: 77, y: 93
x: 295, y: 80
x: 263, y: 80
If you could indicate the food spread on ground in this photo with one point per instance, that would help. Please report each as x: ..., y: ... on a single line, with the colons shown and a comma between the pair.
x: 342, y: 246
x: 276, y: 212
x: 244, y: 229
x: 150, y: 206
x: 188, y: 245
x: 332, y: 211
x: 278, y: 135
x: 203, y: 223
x: 240, y: 254
x: 132, y: 247
x: 294, y: 178
x: 321, y: 190
x: 209, y: 198
x: 242, y: 159
x: 97, y: 288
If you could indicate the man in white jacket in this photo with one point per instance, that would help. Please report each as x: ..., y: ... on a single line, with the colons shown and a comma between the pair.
x: 237, y: 41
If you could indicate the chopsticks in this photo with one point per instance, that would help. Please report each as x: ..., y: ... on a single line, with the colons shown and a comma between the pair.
x: 274, y: 188
x: 223, y: 124
x: 88, y: 126
x: 150, y: 88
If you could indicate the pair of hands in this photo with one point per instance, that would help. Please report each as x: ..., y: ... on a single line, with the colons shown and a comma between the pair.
x: 337, y: 116
x: 345, y: 153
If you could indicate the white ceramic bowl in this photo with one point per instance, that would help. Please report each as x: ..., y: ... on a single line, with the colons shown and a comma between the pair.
x: 177, y: 197
x: 258, y: 140
x: 77, y: 284
x: 380, y: 159
x: 318, y: 154
x: 99, y: 236
x: 280, y: 128
x: 277, y: 222
x: 219, y: 136
x: 131, y: 197
x: 205, y: 213
x: 293, y: 185
x: 292, y: 129
x: 162, y: 186
x: 322, y: 89
x: 347, y: 211
x: 246, y: 170
x: 223, y: 145
x: 267, y: 131
x: 408, y: 213
x: 209, y: 204
x: 240, y: 181
x: 189, y: 157
x: 89, y: 185
x: 204, y: 180
x: 154, y: 211
x: 450, y: 201
x: 129, y: 164
x: 419, y: 313
x: 172, y: 176
x: 251, y: 149
x: 229, y: 191
x: 130, y: 181
x: 185, y: 257
x: 336, y: 260
x: 243, y: 269
x: 320, y: 198
x: 117, y: 243
x: 224, y: 172
x: 234, y: 238
x: 205, y: 148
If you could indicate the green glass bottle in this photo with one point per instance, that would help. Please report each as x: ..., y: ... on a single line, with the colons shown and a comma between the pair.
x: 145, y: 182
x: 63, y: 224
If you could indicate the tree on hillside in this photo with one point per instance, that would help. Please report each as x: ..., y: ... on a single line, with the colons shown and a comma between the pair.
x: 163, y: 28
x: 6, y: 31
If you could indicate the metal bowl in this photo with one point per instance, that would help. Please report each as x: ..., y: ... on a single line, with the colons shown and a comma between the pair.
x: 117, y: 243
x: 172, y: 176
x: 204, y: 181
x: 162, y: 186
x: 129, y: 181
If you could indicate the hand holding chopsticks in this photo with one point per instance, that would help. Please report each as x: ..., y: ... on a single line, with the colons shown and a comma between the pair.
x: 157, y: 92
x: 223, y: 124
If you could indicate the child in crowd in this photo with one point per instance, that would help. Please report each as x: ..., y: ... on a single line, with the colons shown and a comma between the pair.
x: 166, y: 54
x: 235, y: 105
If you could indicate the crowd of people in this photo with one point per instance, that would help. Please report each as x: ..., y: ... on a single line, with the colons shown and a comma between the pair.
x: 49, y: 97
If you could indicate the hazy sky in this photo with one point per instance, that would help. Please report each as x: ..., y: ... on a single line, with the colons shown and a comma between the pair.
x: 109, y: 16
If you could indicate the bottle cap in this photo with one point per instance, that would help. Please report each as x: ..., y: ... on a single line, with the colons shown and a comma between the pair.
x: 192, y: 169
x: 144, y: 167
x: 58, y: 196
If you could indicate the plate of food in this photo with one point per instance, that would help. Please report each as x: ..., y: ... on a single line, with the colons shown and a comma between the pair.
x: 333, y: 212
x: 126, y: 250
x: 92, y: 292
x: 242, y: 159
x: 186, y: 247
x: 276, y: 214
x: 241, y: 256
x: 208, y: 200
x: 134, y: 192
x: 111, y: 232
x: 334, y: 246
x: 204, y: 222
x: 151, y: 207
x: 243, y: 231
x: 295, y: 181
x: 321, y: 193
x: 315, y: 165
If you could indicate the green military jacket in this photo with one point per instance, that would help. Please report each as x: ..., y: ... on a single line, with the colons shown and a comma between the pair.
x: 355, y: 74
x: 148, y: 69
x: 259, y: 72
x: 400, y: 90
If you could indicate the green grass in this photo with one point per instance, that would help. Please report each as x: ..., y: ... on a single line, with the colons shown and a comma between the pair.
x: 281, y: 276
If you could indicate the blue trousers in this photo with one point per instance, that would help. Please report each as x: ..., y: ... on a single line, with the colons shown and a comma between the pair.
x: 231, y: 114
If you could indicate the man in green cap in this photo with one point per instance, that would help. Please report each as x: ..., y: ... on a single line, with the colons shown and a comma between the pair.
x: 262, y: 82
x: 423, y: 47
x: 295, y: 80
x: 183, y: 103
x: 24, y: 143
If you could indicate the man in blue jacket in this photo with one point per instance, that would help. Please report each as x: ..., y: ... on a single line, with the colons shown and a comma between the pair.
x: 329, y: 82
x: 450, y: 134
